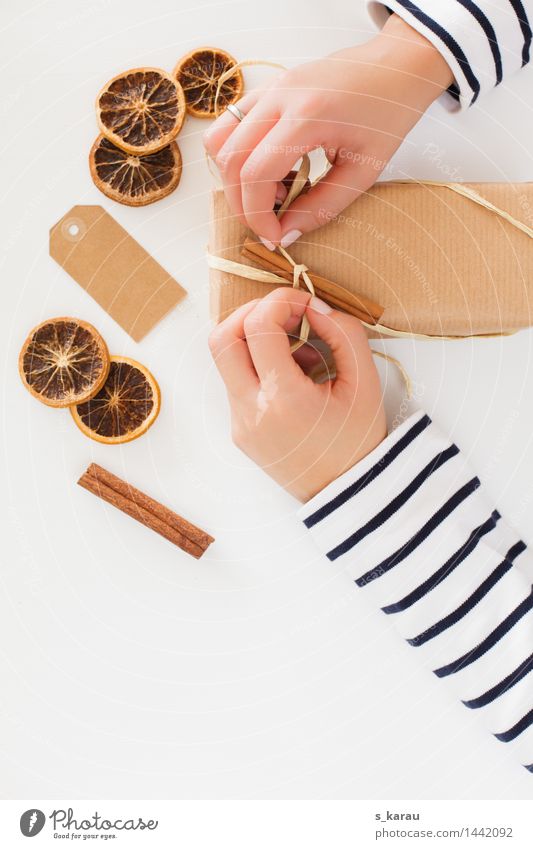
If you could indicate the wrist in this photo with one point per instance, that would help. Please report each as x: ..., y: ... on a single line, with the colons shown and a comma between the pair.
x: 330, y: 469
x: 407, y: 52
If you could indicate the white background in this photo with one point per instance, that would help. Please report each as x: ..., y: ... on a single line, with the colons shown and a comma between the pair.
x: 129, y: 670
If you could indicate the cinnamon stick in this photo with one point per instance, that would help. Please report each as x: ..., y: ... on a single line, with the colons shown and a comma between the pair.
x: 192, y: 532
x: 363, y: 308
x: 146, y: 510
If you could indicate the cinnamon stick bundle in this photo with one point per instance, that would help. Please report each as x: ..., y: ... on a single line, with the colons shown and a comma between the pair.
x: 146, y: 510
x: 362, y: 308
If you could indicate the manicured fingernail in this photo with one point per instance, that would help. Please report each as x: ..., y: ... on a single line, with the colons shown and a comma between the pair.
x: 320, y: 306
x: 290, y: 237
x: 270, y: 245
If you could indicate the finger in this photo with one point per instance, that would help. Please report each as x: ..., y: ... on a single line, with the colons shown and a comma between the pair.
x: 266, y: 334
x: 281, y: 192
x: 230, y: 352
x: 307, y: 357
x: 221, y: 129
x: 270, y: 161
x: 346, y: 337
x: 232, y: 156
x: 333, y: 193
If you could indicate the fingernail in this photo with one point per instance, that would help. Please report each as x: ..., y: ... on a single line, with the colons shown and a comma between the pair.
x: 320, y: 306
x: 290, y: 237
x: 281, y: 193
x: 270, y: 245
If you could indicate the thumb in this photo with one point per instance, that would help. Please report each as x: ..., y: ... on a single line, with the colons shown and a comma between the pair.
x: 346, y: 337
x: 333, y: 193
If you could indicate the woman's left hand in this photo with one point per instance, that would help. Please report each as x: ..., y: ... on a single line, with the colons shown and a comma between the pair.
x: 302, y: 434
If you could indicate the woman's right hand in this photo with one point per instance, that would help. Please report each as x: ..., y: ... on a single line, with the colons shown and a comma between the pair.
x: 357, y: 104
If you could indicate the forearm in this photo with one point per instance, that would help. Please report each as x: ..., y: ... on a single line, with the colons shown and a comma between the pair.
x: 414, y: 58
x: 414, y: 527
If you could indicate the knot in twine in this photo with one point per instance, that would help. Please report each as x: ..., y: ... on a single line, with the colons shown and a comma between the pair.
x: 299, y: 272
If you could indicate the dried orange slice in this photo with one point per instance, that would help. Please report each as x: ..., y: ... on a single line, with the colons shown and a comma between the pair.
x: 63, y: 361
x: 125, y: 407
x: 141, y: 110
x: 131, y: 179
x: 199, y: 72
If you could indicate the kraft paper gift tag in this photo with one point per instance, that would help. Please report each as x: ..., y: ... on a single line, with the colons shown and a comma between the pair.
x: 114, y: 269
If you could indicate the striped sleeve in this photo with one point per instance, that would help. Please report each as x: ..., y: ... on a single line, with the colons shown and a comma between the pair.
x: 417, y: 533
x: 483, y: 41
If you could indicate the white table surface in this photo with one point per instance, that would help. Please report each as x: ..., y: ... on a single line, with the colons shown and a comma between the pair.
x: 128, y: 669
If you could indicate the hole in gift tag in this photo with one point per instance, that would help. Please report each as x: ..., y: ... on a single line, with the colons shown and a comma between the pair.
x: 73, y: 229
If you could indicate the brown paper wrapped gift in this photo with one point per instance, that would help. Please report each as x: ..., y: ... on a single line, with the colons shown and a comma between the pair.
x: 439, y: 263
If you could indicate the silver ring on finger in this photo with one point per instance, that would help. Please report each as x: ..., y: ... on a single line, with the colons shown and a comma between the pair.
x: 235, y: 111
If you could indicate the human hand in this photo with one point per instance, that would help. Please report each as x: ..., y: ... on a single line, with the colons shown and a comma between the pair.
x: 304, y: 435
x: 357, y: 104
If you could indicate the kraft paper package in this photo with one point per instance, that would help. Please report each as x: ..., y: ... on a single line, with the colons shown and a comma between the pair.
x: 440, y: 264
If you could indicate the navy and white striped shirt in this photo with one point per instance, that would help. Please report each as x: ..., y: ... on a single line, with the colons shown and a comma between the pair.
x: 411, y: 521
x: 483, y: 42
x: 414, y: 527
